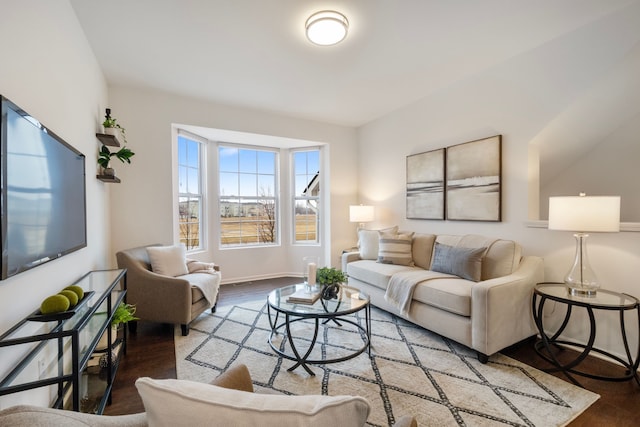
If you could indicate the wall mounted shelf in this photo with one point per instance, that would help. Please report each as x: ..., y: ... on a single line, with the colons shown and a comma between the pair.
x: 108, y: 140
x: 108, y: 178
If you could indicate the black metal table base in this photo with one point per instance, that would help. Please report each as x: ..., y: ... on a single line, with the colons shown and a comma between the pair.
x: 545, y: 346
x: 302, y: 359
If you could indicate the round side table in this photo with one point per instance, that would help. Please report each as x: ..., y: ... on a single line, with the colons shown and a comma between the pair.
x: 603, y: 300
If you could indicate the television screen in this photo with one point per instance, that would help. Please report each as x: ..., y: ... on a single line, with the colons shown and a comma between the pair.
x: 43, y: 193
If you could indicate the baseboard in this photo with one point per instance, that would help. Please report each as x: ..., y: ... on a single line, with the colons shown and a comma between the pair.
x: 244, y: 279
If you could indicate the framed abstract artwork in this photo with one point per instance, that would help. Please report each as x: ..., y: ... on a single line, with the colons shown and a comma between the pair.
x: 425, y: 185
x: 474, y: 180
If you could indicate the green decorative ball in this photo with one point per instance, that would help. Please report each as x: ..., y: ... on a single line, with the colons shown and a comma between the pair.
x: 77, y: 289
x: 72, y: 296
x: 54, y: 304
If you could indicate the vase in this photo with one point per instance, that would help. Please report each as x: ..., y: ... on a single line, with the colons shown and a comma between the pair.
x: 104, y: 343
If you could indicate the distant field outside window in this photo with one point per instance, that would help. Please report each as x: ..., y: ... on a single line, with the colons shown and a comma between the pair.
x: 248, y: 196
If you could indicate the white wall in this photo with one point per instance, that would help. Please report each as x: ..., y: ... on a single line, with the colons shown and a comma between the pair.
x: 49, y: 70
x: 143, y: 207
x: 516, y: 99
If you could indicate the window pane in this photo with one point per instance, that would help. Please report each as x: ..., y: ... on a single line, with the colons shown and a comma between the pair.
x: 193, y: 158
x: 182, y: 179
x: 248, y: 185
x: 248, y: 161
x: 228, y: 158
x: 182, y: 150
x: 266, y: 185
x: 266, y: 162
x: 229, y: 184
x: 193, y: 180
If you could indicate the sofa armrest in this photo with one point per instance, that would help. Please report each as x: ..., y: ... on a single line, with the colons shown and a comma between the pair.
x: 348, y: 257
x: 501, y: 307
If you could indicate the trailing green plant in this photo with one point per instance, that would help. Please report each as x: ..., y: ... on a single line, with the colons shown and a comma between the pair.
x: 124, y: 313
x: 110, y: 122
x: 329, y: 276
x: 123, y: 154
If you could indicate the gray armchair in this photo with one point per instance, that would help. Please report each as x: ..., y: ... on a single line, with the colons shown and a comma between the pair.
x: 165, y: 299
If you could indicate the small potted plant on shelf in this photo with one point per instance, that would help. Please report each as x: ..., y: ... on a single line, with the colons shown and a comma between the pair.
x: 123, y: 313
x: 104, y: 158
x: 329, y: 279
x: 112, y: 127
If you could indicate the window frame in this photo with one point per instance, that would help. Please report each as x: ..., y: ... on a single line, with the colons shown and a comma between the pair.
x: 200, y: 196
x: 295, y: 198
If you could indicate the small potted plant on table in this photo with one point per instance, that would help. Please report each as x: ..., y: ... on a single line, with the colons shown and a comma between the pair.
x: 329, y: 279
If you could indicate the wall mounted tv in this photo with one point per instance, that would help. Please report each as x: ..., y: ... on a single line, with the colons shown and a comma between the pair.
x: 43, y: 199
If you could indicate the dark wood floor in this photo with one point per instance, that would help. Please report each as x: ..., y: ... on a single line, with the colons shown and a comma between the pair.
x: 151, y: 353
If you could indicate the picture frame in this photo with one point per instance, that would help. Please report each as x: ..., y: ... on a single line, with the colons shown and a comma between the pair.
x: 425, y: 191
x: 474, y: 180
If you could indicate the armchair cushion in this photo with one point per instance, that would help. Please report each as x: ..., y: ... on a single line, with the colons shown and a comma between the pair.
x: 178, y: 402
x: 168, y: 260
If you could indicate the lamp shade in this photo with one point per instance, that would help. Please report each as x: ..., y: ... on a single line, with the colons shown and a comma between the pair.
x: 361, y: 213
x: 585, y: 213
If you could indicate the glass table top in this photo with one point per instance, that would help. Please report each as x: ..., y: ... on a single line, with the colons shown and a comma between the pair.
x: 603, y: 298
x: 349, y: 300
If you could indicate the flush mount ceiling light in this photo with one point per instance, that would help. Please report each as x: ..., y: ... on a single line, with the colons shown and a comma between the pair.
x: 326, y: 27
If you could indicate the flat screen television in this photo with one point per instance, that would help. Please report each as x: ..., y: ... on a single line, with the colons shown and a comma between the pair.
x: 43, y: 194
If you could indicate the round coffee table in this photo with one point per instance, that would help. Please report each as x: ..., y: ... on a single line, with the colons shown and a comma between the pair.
x: 348, y: 301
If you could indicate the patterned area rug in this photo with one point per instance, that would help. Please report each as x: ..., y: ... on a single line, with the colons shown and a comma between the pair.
x: 410, y: 371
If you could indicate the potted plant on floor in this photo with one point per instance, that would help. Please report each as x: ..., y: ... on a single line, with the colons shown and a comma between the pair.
x: 329, y: 279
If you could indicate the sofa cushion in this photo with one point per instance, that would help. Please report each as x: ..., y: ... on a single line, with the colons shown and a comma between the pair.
x: 422, y: 249
x: 178, y: 402
x: 368, y: 242
x: 395, y: 248
x: 374, y: 273
x: 501, y: 259
x: 451, y: 294
x: 462, y: 262
x: 168, y: 260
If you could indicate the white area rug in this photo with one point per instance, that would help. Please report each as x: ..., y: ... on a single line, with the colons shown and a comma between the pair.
x: 411, y: 371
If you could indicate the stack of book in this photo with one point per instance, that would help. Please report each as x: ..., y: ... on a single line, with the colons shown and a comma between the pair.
x: 302, y: 296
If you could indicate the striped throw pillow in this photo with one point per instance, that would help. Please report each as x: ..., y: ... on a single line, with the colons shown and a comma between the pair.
x: 394, y: 248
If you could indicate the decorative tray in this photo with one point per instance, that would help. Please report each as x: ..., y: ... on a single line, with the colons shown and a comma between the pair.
x: 37, y: 316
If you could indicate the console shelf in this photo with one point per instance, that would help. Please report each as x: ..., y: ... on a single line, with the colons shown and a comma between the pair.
x: 61, y: 352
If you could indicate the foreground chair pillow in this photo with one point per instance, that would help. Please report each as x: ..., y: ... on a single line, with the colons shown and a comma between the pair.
x: 179, y: 402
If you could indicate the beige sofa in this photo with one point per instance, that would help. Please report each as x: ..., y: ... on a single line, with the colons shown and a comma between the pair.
x: 486, y: 315
x: 162, y: 296
x: 229, y: 400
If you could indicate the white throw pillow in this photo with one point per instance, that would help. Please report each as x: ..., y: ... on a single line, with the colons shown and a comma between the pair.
x: 368, y: 242
x: 168, y: 260
x: 178, y: 402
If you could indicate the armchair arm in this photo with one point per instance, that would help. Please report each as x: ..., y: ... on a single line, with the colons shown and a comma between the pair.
x: 501, y: 307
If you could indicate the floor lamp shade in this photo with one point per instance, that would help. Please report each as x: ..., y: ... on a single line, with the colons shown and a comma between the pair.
x: 584, y: 214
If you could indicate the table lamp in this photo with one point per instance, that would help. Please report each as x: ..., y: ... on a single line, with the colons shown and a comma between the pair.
x: 361, y: 214
x: 583, y: 214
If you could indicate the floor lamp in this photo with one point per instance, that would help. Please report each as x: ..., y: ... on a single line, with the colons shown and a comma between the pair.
x: 583, y: 214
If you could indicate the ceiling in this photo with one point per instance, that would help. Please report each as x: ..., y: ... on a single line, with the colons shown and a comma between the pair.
x: 254, y: 54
